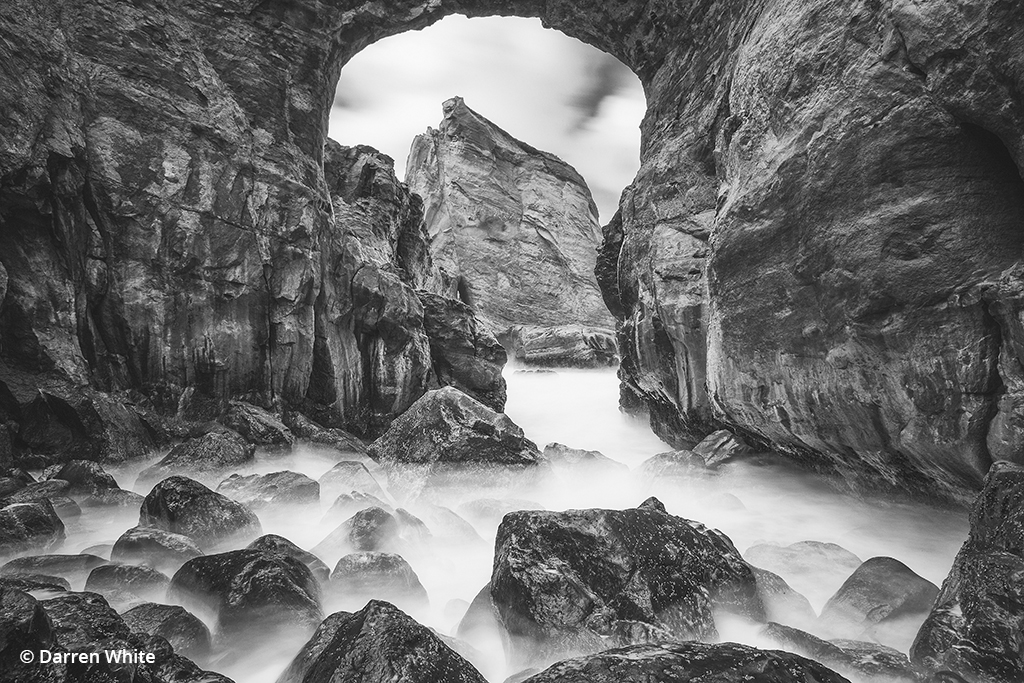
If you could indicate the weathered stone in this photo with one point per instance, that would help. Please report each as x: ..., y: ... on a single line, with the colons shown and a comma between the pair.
x: 24, y: 625
x: 350, y: 475
x: 565, y: 460
x: 720, y: 447
x: 463, y: 352
x: 35, y: 582
x: 577, y: 581
x: 859, y: 660
x: 377, y: 643
x: 304, y: 428
x: 372, y: 528
x: 85, y: 478
x: 276, y: 488
x: 347, y: 504
x: 883, y: 599
x: 256, y: 425
x: 516, y: 225
x: 179, y: 627
x: 974, y: 626
x: 142, y: 582
x: 358, y: 577
x: 215, y: 451
x: 30, y: 526
x: 572, y: 346
x: 696, y: 662
x: 781, y: 603
x: 254, y: 594
x: 279, y: 544
x: 183, y: 506
x: 74, y: 568
x: 163, y: 550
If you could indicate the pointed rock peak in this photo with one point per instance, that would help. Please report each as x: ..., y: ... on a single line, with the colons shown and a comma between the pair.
x: 652, y: 503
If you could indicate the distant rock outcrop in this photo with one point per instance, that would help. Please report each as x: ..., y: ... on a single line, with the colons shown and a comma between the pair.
x: 519, y: 230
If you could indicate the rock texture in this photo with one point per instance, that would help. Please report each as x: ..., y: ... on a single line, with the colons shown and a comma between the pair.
x: 974, y: 628
x: 582, y: 580
x: 519, y: 229
x: 183, y: 506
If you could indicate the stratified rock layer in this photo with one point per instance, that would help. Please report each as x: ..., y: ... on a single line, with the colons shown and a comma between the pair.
x: 519, y: 229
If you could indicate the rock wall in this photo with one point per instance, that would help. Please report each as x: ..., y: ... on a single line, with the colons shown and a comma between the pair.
x: 519, y: 229
x: 820, y: 248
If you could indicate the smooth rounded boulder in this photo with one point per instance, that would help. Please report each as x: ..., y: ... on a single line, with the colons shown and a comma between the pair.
x: 26, y: 527
x: 74, y: 568
x: 213, y: 452
x: 257, y: 426
x: 126, y: 582
x: 279, y: 544
x: 276, y: 488
x: 184, y: 506
x: 581, y: 580
x: 162, y: 550
x: 382, y: 576
x: 179, y: 627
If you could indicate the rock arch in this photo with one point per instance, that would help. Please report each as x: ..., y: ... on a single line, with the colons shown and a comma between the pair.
x: 817, y: 250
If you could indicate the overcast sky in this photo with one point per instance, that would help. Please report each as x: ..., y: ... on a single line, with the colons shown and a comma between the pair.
x: 541, y: 86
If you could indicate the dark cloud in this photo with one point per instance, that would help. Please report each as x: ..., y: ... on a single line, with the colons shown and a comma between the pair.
x: 603, y: 77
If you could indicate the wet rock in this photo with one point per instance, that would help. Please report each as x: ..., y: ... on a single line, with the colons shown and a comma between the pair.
x: 74, y: 568
x: 182, y: 629
x: 565, y: 460
x: 154, y: 547
x: 721, y: 447
x: 250, y: 594
x: 370, y: 529
x: 183, y: 506
x: 82, y: 620
x: 142, y: 582
x: 257, y: 426
x: 112, y: 498
x: 858, y: 660
x: 573, y: 346
x: 52, y: 489
x: 446, y: 436
x: 350, y: 475
x: 212, y: 452
x: 279, y: 544
x: 35, y: 582
x: 277, y: 488
x: 377, y: 643
x: 358, y: 577
x: 516, y: 225
x: 781, y: 603
x: 30, y: 526
x: 85, y: 478
x: 884, y: 599
x: 304, y: 428
x: 24, y: 625
x: 681, y: 464
x: 580, y: 580
x: 347, y: 504
x: 463, y: 352
x: 690, y: 661
x: 9, y: 485
x: 812, y: 567
x: 974, y: 627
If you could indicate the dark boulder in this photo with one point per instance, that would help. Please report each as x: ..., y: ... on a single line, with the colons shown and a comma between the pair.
x: 883, y: 600
x: 569, y: 461
x: 179, y: 627
x: 82, y: 620
x: 377, y: 643
x: 974, y: 628
x: 276, y: 488
x: 279, y: 544
x: 257, y: 426
x: 308, y: 430
x: 24, y: 625
x: 463, y: 352
x: 691, y: 662
x: 74, y: 568
x: 367, y: 530
x: 183, y: 506
x: 358, y: 577
x: 781, y: 603
x: 9, y: 485
x: 48, y: 489
x: 347, y: 504
x: 582, y: 580
x: 255, y: 595
x: 351, y: 475
x: 153, y: 547
x: 85, y: 478
x: 859, y: 660
x: 110, y: 580
x: 30, y: 526
x: 118, y: 498
x: 213, y: 452
x: 35, y: 582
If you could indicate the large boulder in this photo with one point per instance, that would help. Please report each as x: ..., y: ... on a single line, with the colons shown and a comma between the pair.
x: 127, y: 583
x: 276, y: 488
x: 859, y: 660
x: 179, y: 627
x: 213, y: 452
x: 358, y: 577
x: 347, y: 504
x: 163, y: 550
x: 377, y: 643
x: 85, y: 478
x: 447, y: 434
x: 24, y: 625
x: 256, y: 595
x: 373, y: 529
x: 883, y: 600
x: 257, y: 426
x: 573, y: 346
x: 29, y: 526
x: 279, y: 544
x: 517, y: 226
x: 305, y: 428
x: 581, y: 580
x: 781, y: 603
x: 815, y: 568
x: 975, y: 624
x: 350, y: 475
x: 74, y: 568
x: 691, y: 662
x: 183, y: 506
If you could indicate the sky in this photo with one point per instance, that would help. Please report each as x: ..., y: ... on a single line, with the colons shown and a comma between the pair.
x: 541, y: 86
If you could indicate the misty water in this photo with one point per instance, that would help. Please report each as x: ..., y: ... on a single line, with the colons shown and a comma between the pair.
x: 764, y: 502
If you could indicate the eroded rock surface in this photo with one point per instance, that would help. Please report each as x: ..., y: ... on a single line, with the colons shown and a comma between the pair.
x: 519, y: 229
x: 183, y: 506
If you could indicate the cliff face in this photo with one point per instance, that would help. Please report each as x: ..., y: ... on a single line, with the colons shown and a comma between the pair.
x: 824, y: 232
x: 519, y: 230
